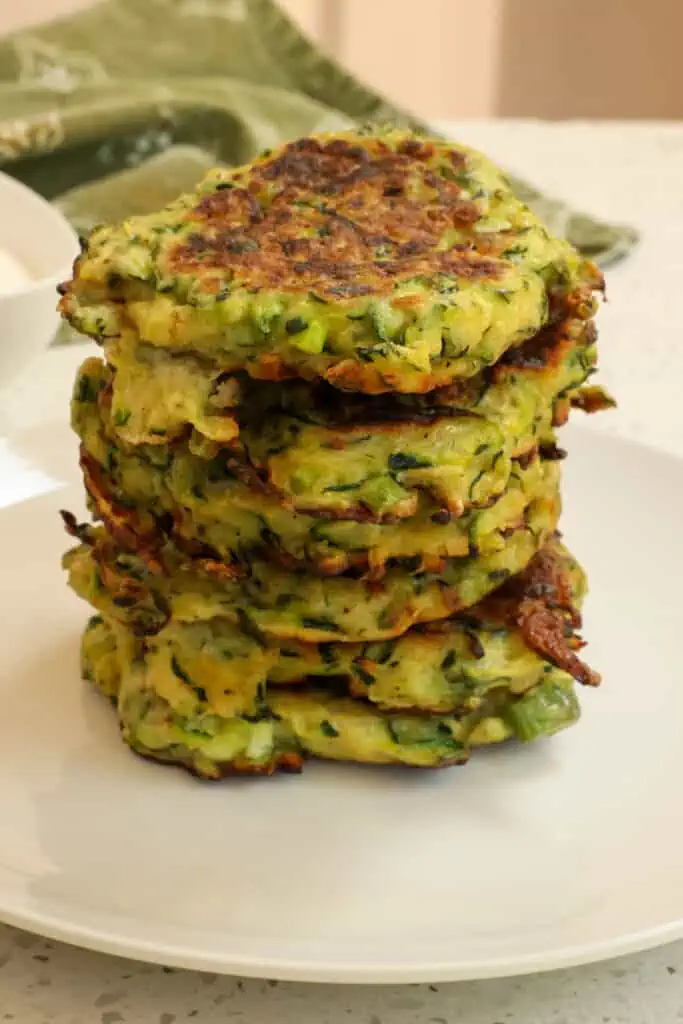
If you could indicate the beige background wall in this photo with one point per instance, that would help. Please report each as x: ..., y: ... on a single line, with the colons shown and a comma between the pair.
x: 460, y: 58
x: 597, y: 58
x: 431, y: 55
x: 17, y: 13
x: 542, y: 58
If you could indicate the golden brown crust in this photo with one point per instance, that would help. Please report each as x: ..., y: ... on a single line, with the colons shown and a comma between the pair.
x: 548, y: 349
x: 543, y: 353
x: 540, y: 603
x: 139, y: 531
x: 546, y: 632
x: 391, y: 230
x: 345, y: 221
x: 352, y: 415
x: 592, y: 399
x: 145, y: 534
x: 133, y: 529
x: 125, y: 590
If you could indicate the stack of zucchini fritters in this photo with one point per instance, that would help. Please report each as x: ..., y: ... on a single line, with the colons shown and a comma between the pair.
x: 322, y: 450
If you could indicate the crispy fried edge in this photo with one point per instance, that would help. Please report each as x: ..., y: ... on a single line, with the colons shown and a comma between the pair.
x: 540, y: 603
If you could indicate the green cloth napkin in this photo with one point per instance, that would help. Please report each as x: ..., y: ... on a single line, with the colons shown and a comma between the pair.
x: 117, y: 109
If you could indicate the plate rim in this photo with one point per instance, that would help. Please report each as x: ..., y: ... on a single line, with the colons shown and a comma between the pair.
x: 349, y: 973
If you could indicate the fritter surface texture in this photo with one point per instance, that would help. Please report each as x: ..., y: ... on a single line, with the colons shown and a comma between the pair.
x: 379, y: 262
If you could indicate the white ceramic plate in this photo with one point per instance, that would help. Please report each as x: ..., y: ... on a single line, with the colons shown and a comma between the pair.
x: 527, y: 859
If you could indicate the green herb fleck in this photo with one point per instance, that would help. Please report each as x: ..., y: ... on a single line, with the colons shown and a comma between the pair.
x: 343, y: 487
x: 87, y: 389
x: 250, y: 629
x: 448, y: 662
x: 365, y: 677
x: 321, y: 622
x: 514, y: 254
x: 295, y: 325
x: 121, y: 417
x: 382, y: 655
x: 476, y: 645
x: 474, y: 483
x: 326, y: 654
x: 392, y: 732
x: 179, y: 672
x: 401, y: 461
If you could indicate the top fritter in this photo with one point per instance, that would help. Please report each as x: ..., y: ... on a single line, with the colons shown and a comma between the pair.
x: 380, y: 262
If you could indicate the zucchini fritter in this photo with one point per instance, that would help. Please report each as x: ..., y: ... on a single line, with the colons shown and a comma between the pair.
x: 207, y: 505
x: 222, y: 665
x: 458, y: 449
x: 364, y: 460
x: 381, y: 262
x: 293, y: 605
x: 291, y: 725
x: 322, y: 447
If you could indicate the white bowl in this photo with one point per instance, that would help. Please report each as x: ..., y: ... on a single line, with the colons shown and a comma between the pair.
x: 43, y: 242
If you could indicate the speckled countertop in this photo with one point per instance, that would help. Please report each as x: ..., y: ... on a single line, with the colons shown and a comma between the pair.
x: 631, y: 173
x: 41, y: 982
